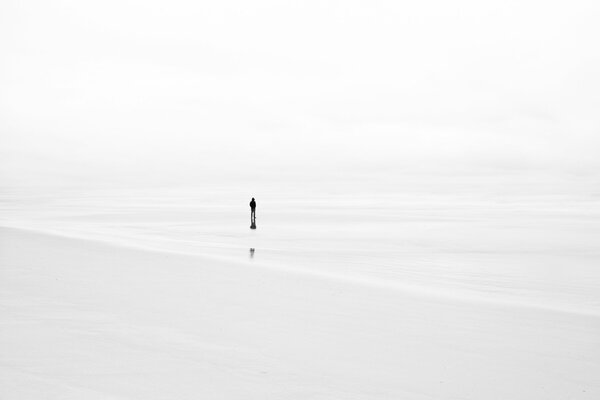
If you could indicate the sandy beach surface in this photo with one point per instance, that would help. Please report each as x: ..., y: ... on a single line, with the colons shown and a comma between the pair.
x: 163, y: 299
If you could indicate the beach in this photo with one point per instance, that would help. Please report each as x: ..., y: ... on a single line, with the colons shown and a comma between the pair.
x: 309, y: 313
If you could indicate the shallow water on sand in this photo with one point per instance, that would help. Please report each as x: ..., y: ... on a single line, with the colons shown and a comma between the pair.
x: 531, y: 248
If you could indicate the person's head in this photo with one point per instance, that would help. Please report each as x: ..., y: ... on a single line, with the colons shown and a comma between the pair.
x: 253, y: 199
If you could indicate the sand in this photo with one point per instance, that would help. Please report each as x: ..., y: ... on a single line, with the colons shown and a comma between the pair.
x: 86, y: 319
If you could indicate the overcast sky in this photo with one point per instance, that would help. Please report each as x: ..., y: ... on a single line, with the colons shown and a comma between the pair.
x: 202, y: 88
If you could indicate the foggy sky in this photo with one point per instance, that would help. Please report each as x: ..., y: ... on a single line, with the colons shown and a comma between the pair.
x: 111, y: 88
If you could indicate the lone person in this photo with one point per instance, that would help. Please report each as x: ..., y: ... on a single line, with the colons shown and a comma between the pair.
x: 253, y: 213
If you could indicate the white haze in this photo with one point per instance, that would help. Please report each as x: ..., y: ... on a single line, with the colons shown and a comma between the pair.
x: 428, y: 196
x: 111, y: 92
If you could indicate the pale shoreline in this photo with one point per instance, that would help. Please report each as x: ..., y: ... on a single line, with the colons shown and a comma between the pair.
x: 83, y: 319
x: 374, y: 283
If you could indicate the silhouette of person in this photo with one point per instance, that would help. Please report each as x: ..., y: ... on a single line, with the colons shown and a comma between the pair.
x: 253, y: 210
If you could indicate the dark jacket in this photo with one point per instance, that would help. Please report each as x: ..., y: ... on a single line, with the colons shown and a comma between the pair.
x: 253, y: 205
